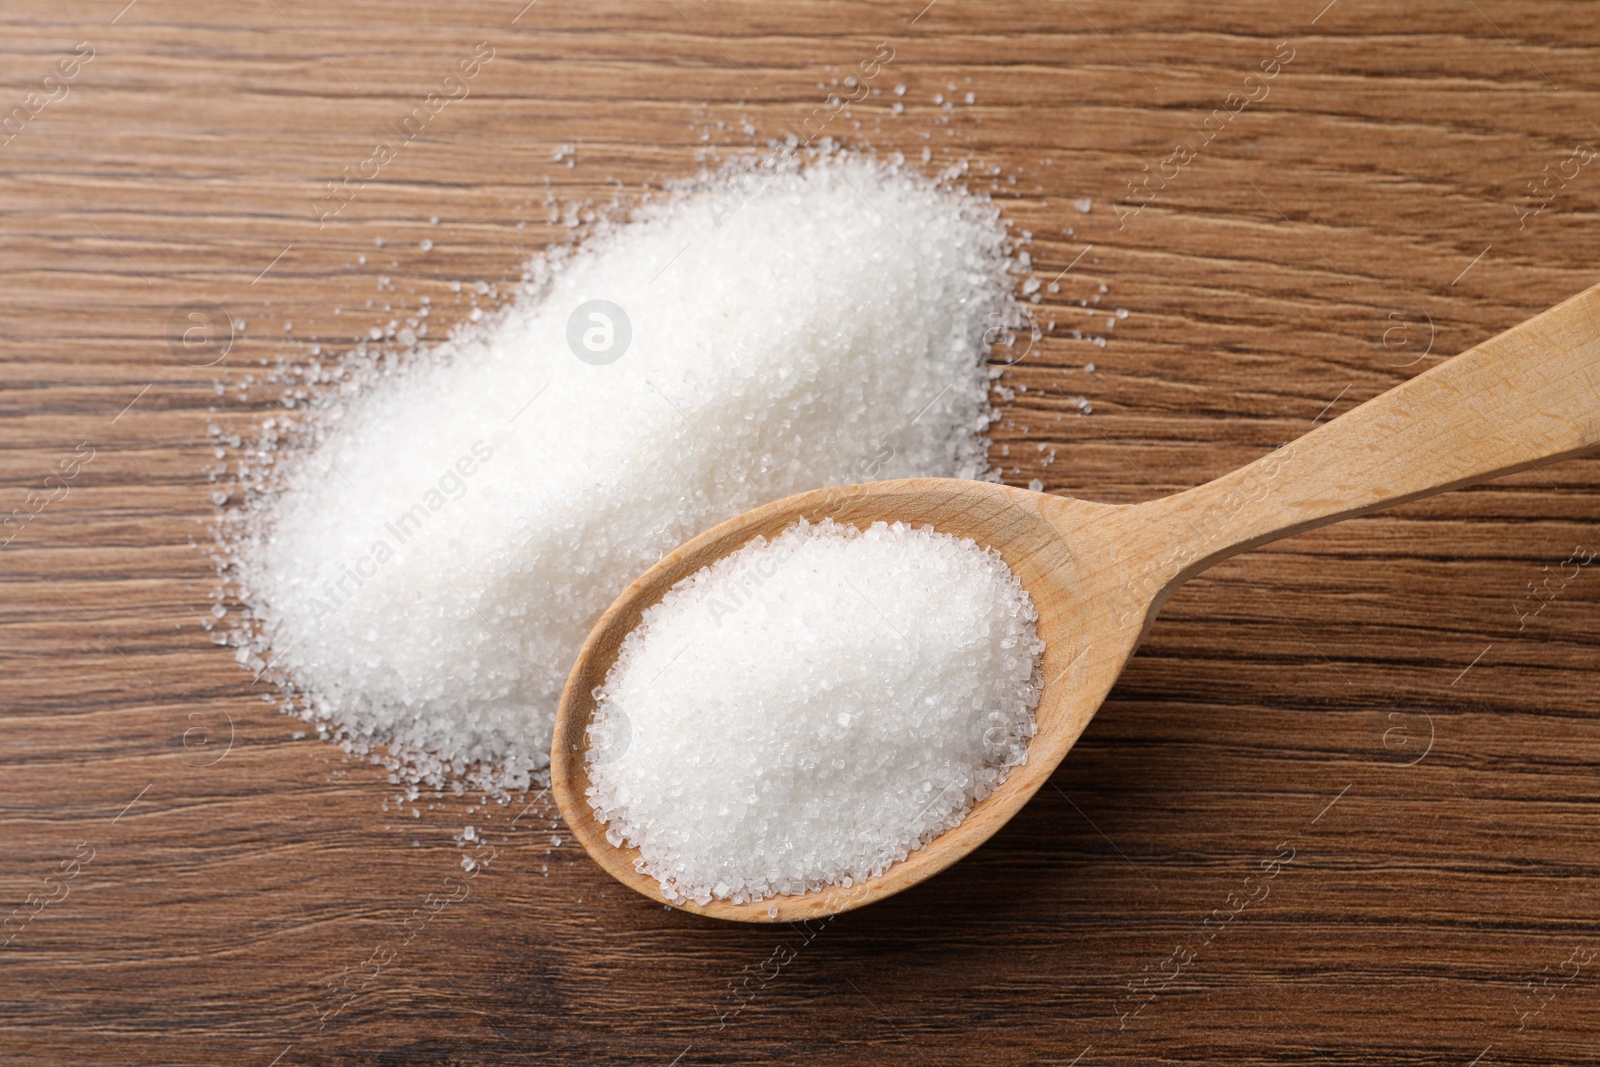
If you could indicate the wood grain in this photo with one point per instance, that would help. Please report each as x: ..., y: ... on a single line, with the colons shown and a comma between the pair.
x: 1386, y: 698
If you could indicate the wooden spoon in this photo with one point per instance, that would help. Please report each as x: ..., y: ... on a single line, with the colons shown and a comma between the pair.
x: 1099, y: 573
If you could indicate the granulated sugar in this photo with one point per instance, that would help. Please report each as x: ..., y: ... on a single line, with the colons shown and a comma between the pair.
x: 426, y: 575
x: 807, y: 711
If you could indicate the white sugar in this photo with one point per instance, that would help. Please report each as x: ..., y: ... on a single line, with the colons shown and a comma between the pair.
x: 808, y: 711
x: 425, y: 576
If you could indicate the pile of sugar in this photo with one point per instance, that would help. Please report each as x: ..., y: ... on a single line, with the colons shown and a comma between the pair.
x: 807, y: 711
x: 424, y: 573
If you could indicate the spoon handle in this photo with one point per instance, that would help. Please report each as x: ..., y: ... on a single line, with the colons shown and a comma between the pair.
x: 1525, y: 397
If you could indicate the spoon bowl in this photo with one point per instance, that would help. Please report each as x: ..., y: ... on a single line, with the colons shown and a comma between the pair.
x: 1098, y: 574
x: 1035, y: 534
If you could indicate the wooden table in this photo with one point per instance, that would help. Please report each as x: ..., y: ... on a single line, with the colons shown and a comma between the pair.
x: 1395, y: 718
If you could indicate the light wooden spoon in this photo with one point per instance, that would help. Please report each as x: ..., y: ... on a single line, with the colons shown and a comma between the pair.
x: 1099, y: 573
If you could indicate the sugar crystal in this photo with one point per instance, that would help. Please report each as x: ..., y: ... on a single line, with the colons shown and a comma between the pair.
x: 424, y: 568
x: 808, y: 711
